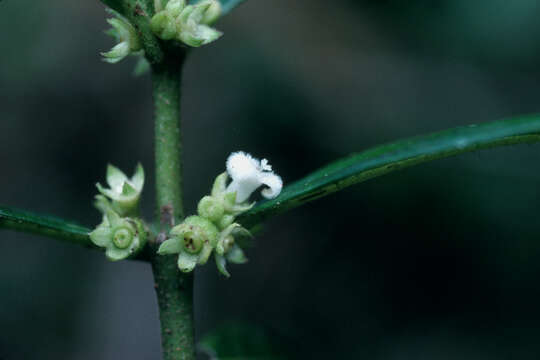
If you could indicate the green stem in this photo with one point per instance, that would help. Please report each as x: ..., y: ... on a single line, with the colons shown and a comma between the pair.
x: 174, y: 289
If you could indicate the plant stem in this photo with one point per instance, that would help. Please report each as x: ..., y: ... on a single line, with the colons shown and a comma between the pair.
x: 174, y: 289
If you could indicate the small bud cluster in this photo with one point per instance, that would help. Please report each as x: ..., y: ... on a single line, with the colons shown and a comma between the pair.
x: 214, y: 228
x: 125, y: 34
x: 187, y: 23
x: 120, y: 232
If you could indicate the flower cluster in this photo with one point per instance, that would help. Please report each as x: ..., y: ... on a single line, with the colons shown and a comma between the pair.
x: 212, y: 231
x: 120, y: 232
x: 187, y: 23
x: 214, y: 228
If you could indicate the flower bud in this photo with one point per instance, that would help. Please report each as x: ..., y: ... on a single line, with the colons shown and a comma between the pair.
x: 210, y: 208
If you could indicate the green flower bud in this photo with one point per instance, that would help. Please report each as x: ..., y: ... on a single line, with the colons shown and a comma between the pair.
x: 123, y: 192
x: 121, y: 237
x: 127, y: 37
x: 210, y: 208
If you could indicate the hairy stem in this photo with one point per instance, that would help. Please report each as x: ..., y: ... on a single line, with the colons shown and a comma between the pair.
x: 174, y: 289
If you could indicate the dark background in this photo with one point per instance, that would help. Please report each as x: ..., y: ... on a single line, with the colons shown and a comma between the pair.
x: 440, y: 261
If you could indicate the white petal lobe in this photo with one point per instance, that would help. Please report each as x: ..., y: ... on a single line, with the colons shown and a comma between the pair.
x: 274, y: 185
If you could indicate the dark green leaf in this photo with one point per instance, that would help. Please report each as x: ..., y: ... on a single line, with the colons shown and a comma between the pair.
x: 240, y: 341
x: 395, y: 156
x: 44, y: 225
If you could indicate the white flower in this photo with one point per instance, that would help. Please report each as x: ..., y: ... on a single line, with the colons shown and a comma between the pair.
x: 248, y: 174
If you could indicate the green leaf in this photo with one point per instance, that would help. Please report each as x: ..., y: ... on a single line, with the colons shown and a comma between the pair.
x: 44, y: 225
x: 395, y: 156
x: 240, y: 341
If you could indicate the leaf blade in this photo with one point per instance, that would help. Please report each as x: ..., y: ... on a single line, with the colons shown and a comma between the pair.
x: 49, y: 226
x: 387, y: 158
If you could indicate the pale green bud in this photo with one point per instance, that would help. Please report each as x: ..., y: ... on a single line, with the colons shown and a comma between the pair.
x: 123, y: 192
x: 121, y: 237
x: 128, y: 38
x: 210, y: 208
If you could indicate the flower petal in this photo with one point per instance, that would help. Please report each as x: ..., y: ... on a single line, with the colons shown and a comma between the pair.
x: 115, y: 254
x: 220, y: 184
x: 205, y: 254
x: 221, y: 263
x: 108, y: 192
x: 187, y: 262
x: 236, y: 255
x: 171, y: 246
x: 101, y: 236
x: 138, y: 178
x: 115, y: 178
x: 274, y: 183
x: 241, y: 165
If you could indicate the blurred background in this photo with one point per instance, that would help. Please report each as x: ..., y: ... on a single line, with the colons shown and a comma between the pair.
x: 440, y: 261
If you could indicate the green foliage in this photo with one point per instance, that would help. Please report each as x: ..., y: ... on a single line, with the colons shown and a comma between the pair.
x: 44, y: 225
x: 395, y: 156
x: 240, y: 341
